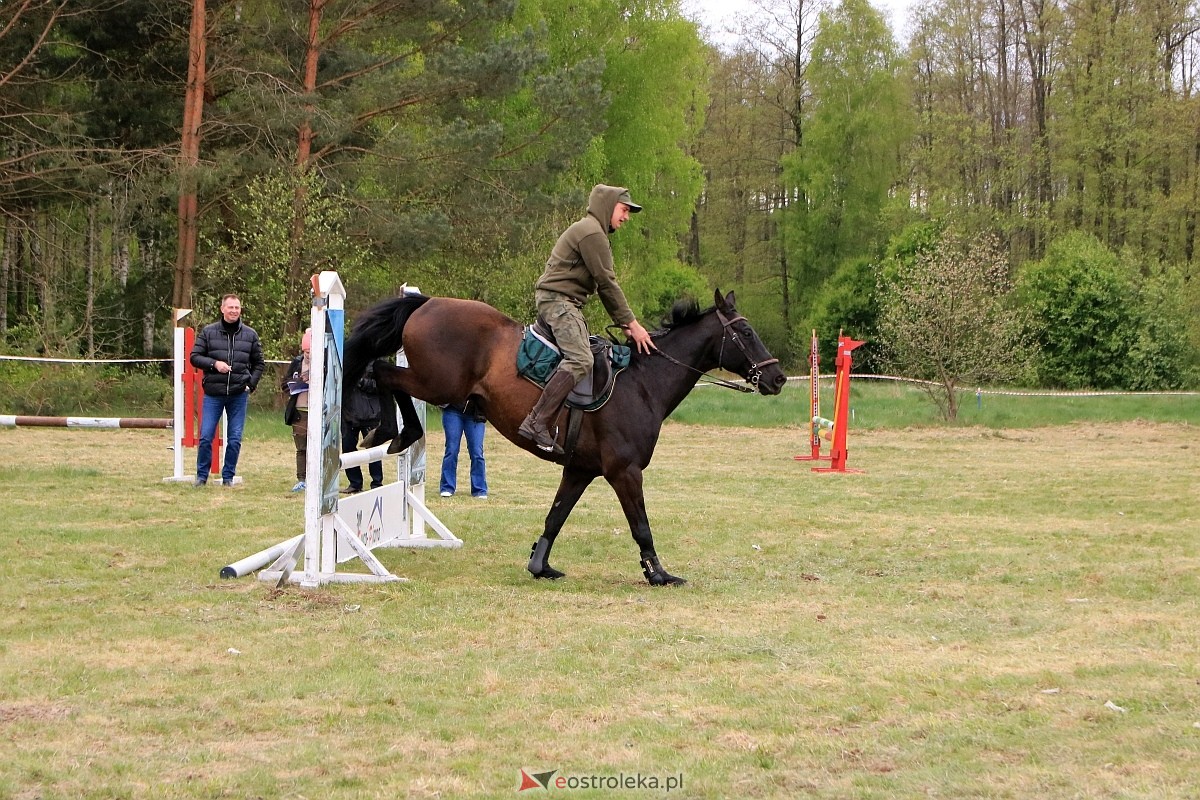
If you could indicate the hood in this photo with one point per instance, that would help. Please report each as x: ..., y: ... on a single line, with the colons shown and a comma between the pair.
x: 603, y: 200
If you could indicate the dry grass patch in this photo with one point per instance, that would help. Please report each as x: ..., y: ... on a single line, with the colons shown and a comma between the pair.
x: 950, y: 623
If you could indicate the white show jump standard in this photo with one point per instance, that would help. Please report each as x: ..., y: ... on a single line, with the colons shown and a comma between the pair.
x: 338, y: 529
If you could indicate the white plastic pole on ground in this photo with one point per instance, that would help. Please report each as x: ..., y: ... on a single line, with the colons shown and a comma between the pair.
x: 260, y: 559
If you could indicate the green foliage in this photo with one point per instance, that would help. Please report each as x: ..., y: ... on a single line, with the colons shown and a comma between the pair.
x: 460, y: 138
x: 947, y: 317
x: 848, y: 303
x: 1099, y: 325
x: 916, y: 240
x: 256, y: 260
x: 84, y: 390
x: 649, y: 124
x: 15, y: 379
x: 1162, y: 356
x: 503, y: 280
x: 652, y: 105
x: 848, y: 160
x: 1189, y: 297
x: 658, y: 290
x: 735, y: 241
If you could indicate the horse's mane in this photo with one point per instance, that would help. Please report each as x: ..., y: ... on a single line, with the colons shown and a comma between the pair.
x: 684, y: 312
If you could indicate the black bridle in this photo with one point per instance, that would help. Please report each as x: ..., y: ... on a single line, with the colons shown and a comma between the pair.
x: 753, y: 375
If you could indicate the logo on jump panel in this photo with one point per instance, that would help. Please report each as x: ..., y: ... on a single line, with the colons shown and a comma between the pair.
x: 538, y: 780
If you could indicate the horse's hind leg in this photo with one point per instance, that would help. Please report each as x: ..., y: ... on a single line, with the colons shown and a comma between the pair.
x: 391, y: 398
x: 412, y: 431
x: 570, y: 489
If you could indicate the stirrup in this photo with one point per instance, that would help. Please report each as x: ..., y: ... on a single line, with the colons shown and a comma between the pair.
x: 530, y: 432
x: 553, y: 447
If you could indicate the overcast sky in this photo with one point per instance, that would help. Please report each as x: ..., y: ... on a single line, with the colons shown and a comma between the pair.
x: 718, y: 14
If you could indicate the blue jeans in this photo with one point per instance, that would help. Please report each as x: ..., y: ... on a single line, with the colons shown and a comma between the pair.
x: 456, y: 425
x: 234, y: 407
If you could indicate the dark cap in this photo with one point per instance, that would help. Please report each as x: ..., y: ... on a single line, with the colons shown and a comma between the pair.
x: 624, y: 197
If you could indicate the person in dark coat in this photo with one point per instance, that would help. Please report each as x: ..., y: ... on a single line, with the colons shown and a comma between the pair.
x: 230, y: 355
x: 360, y: 416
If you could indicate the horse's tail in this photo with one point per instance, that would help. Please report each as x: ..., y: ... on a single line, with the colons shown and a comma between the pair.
x: 378, y: 332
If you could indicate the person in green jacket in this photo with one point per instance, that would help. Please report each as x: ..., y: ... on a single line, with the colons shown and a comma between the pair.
x: 580, y: 265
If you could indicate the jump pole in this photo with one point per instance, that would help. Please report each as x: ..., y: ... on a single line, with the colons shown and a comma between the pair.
x: 814, y: 402
x: 841, y: 411
x: 15, y: 421
x: 339, y: 529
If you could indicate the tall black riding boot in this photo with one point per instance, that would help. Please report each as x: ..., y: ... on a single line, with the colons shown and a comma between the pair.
x: 537, y: 425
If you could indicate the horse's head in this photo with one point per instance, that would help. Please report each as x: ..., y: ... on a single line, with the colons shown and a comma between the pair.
x: 747, y: 356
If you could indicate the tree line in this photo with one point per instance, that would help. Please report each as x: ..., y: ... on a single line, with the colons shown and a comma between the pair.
x: 1041, y: 157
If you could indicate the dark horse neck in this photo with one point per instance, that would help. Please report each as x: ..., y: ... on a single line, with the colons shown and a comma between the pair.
x: 696, y: 345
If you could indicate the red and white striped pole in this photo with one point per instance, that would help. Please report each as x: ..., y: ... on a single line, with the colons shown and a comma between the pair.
x: 814, y: 402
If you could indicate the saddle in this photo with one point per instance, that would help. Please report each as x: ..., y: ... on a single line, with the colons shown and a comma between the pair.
x: 538, y: 357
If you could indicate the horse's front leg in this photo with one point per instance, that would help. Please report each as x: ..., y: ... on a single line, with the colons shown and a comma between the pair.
x: 628, y: 485
x: 572, y: 486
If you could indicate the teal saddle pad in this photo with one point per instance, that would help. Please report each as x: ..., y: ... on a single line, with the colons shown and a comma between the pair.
x: 537, y: 358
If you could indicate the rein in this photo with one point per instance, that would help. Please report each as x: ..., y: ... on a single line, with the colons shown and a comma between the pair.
x: 727, y: 332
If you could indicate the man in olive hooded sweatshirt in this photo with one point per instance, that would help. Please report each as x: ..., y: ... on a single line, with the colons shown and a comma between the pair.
x: 580, y: 265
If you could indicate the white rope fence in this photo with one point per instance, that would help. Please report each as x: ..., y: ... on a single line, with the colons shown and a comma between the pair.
x: 100, y: 361
x: 797, y: 379
x: 1013, y: 393
x: 88, y: 360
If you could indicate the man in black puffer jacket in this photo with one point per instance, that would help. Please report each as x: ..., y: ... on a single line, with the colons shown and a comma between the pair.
x: 231, y: 357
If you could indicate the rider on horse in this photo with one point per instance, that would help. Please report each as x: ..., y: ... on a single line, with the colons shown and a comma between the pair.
x: 580, y: 265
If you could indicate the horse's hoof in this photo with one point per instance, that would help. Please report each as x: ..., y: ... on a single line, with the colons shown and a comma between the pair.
x: 405, y: 440
x: 657, y: 576
x: 538, y: 558
x: 549, y: 573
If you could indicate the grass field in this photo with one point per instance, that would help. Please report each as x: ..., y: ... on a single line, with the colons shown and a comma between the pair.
x: 985, y: 612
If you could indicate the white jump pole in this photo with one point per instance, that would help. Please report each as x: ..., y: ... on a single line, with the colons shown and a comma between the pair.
x: 260, y: 559
x: 179, y: 360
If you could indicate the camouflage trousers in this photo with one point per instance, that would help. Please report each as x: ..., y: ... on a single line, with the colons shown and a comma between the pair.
x: 570, y: 332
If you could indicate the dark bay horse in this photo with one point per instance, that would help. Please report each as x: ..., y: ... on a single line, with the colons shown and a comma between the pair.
x: 462, y: 350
